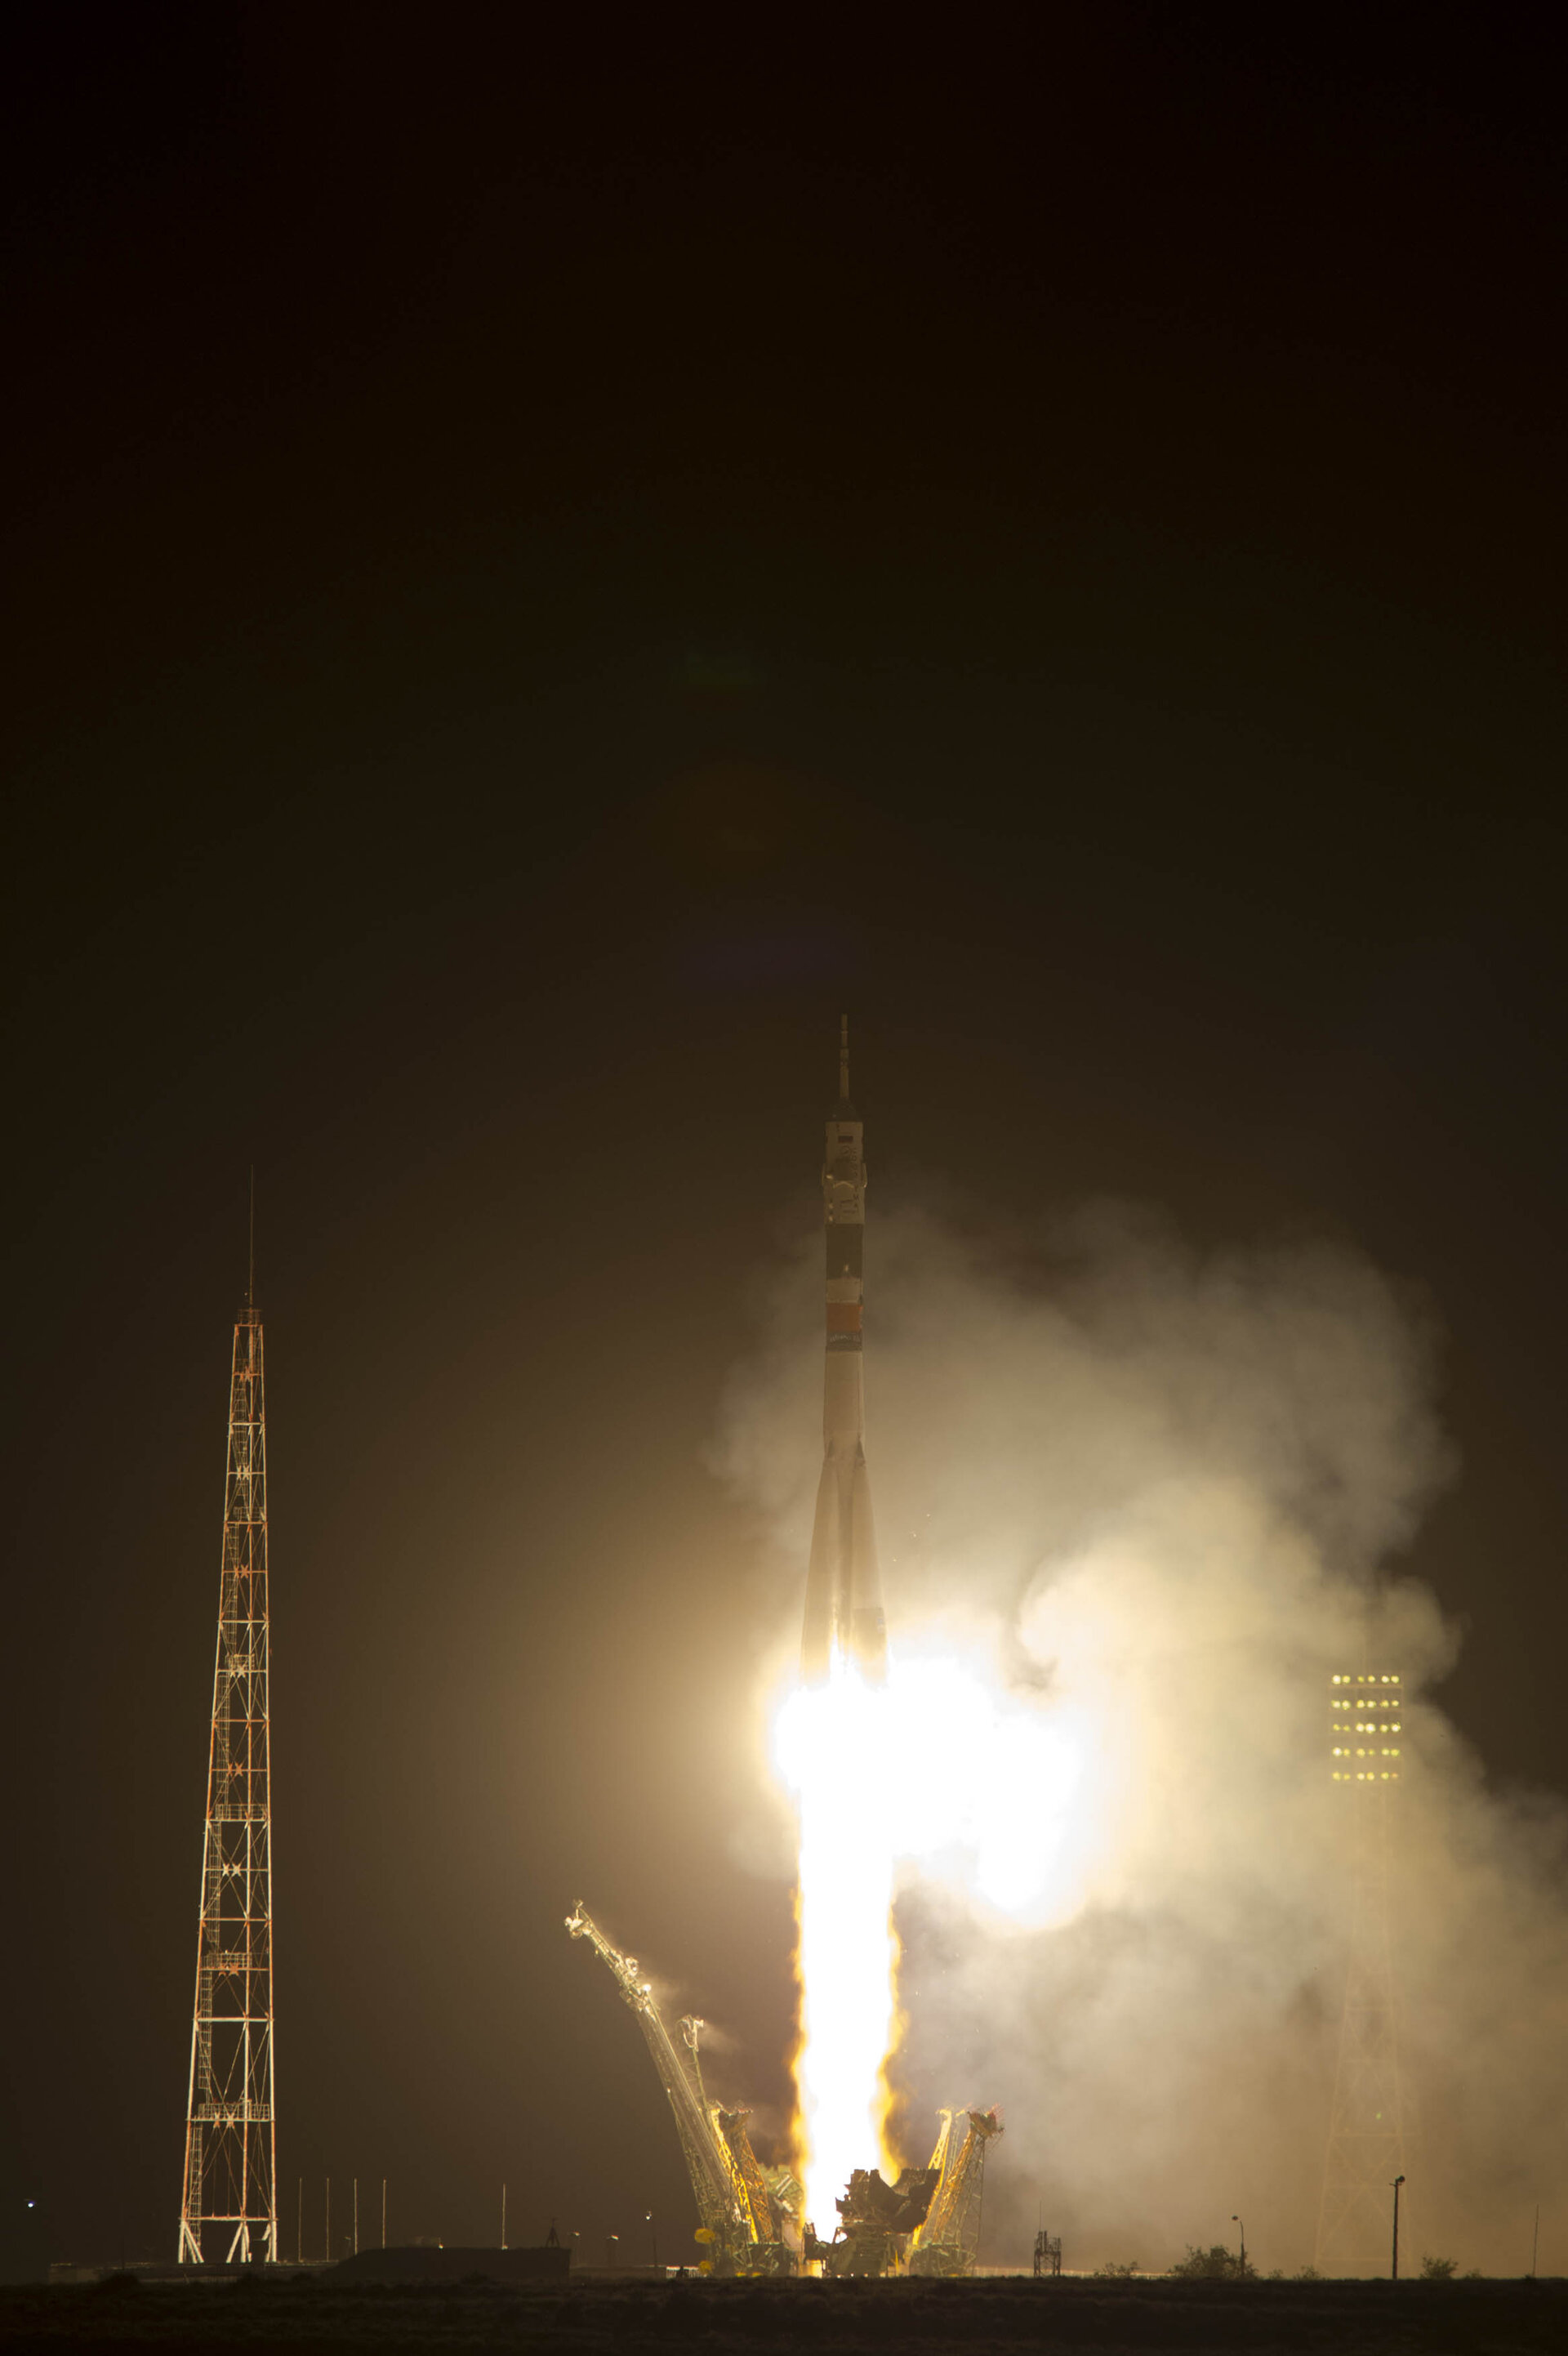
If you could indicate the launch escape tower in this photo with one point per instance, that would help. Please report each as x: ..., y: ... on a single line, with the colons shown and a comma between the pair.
x: 1365, y: 2126
x: 229, y: 2209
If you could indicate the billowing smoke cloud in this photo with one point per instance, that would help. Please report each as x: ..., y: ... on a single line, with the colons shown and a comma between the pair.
x: 1162, y: 1497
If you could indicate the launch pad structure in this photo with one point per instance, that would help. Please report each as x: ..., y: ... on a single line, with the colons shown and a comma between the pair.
x: 229, y: 2209
x: 746, y: 2218
x: 749, y: 2216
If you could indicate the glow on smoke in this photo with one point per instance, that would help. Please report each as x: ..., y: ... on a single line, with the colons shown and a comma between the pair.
x: 938, y: 1772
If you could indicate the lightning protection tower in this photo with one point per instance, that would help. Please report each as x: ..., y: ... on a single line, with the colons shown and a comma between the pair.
x: 1366, y: 2126
x: 229, y: 2207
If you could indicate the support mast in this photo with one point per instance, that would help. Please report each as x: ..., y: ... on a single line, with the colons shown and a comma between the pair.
x: 229, y: 2208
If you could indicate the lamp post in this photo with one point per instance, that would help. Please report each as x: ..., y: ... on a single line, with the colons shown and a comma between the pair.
x: 1236, y: 2221
x: 610, y: 2239
x: 653, y: 2240
x: 1397, y: 2182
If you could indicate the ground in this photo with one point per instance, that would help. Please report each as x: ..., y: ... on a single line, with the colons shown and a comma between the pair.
x: 1461, y: 2318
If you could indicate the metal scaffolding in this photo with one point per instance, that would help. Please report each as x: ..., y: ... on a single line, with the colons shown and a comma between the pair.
x: 1366, y: 2126
x: 229, y: 2209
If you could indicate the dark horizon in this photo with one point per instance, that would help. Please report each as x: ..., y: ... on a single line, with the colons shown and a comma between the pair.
x: 535, y: 579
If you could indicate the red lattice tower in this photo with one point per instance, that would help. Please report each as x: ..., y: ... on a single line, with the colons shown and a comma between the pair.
x: 229, y: 2207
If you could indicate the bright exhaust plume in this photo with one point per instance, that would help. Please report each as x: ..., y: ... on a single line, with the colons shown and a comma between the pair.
x: 936, y: 1771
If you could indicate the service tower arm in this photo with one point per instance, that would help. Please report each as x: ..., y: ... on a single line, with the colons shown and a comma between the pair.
x: 707, y: 2163
x: 944, y: 2243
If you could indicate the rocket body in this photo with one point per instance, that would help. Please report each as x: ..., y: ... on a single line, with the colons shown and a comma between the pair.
x: 844, y: 1616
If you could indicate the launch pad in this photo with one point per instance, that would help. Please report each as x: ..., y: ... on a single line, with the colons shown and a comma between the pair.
x: 751, y: 2221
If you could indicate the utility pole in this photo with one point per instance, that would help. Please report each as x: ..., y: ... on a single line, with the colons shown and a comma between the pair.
x: 329, y: 2221
x: 1236, y: 2221
x: 299, y: 2227
x: 1397, y: 2182
x: 356, y: 2216
x: 230, y: 2149
x: 383, y: 2212
x: 503, y: 2216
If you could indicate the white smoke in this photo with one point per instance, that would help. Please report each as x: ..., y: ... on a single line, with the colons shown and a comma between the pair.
x: 1152, y: 1499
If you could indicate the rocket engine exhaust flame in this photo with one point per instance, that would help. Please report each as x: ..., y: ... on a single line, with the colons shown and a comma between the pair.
x: 844, y: 1887
x: 828, y: 1750
x: 885, y: 1760
x: 936, y: 1768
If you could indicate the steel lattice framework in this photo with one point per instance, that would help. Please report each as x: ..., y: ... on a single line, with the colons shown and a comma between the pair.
x: 1365, y: 2126
x: 230, y: 2208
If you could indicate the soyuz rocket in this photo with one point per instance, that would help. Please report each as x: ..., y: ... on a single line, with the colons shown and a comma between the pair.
x: 843, y: 1585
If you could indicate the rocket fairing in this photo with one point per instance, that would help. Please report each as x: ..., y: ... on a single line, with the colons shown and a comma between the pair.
x: 843, y: 1585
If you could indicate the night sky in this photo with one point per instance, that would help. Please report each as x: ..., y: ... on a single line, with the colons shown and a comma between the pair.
x: 540, y: 567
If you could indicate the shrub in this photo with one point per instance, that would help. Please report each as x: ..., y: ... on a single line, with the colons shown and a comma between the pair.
x: 1216, y: 2265
x: 1439, y: 2269
x: 1111, y: 2272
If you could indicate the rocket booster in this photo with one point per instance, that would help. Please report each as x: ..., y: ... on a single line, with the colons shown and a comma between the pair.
x: 843, y: 1584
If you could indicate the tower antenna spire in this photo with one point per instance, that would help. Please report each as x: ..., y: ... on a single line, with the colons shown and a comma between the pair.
x: 844, y: 1058
x: 251, y: 1278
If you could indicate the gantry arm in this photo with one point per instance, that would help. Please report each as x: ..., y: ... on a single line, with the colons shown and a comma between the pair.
x: 708, y: 2162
